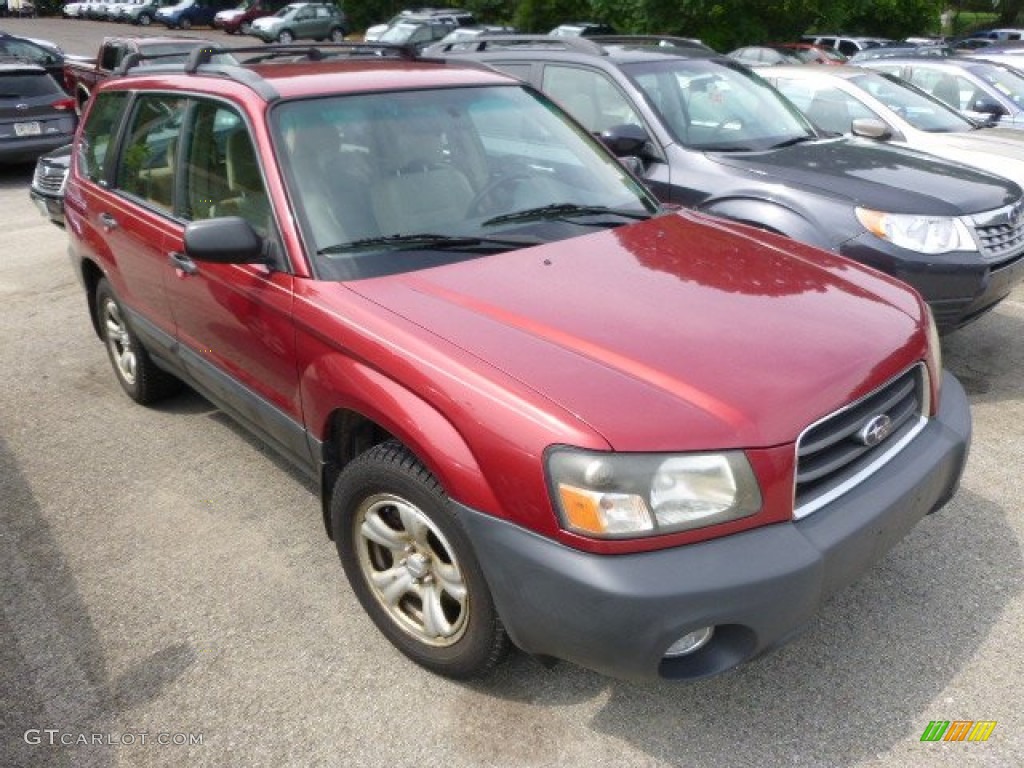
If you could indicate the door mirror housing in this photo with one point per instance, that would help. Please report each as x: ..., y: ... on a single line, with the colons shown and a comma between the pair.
x: 871, y: 128
x: 226, y: 240
x: 626, y: 139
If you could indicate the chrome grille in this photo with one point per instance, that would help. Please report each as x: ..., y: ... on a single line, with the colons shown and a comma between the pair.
x: 841, y: 450
x: 49, y: 179
x: 1000, y: 233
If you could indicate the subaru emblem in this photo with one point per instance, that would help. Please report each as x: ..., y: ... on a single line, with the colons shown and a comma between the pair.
x: 875, y: 431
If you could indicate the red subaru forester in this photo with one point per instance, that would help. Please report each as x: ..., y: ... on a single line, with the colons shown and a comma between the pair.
x: 542, y: 410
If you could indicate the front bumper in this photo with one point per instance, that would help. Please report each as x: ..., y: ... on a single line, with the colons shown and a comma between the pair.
x: 959, y: 287
x: 49, y: 206
x: 618, y: 614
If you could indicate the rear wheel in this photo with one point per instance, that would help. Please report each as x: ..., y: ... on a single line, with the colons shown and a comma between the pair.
x: 141, y: 379
x: 412, y: 566
x: 337, y: 35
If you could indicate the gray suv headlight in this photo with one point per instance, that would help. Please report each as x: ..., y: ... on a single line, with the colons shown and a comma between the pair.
x: 625, y: 495
x: 923, y: 234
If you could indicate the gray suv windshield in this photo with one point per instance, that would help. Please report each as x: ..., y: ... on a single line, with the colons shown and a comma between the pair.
x: 707, y: 105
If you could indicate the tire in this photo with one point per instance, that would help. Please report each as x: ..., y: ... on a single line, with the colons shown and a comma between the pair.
x: 284, y: 36
x: 411, y: 564
x: 245, y: 28
x: 337, y: 35
x: 135, y: 370
x: 145, y: 19
x: 186, y: 24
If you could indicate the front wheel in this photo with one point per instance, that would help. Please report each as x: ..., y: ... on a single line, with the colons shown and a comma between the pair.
x: 145, y: 19
x: 185, y: 25
x: 285, y: 37
x: 411, y: 564
x: 141, y: 379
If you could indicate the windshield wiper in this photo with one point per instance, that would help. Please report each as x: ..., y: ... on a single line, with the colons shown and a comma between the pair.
x: 565, y: 211
x: 794, y: 141
x: 426, y: 240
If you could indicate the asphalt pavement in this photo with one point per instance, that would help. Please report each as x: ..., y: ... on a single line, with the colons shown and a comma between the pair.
x: 169, y: 597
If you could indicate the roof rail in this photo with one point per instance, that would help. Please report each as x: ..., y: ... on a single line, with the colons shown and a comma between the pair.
x: 662, y: 41
x: 504, y: 42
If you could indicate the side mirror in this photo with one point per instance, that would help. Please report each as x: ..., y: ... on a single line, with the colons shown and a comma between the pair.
x: 227, y: 240
x: 626, y: 139
x: 988, y: 106
x: 871, y: 128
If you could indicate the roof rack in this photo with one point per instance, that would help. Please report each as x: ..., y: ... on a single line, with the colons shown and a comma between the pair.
x: 504, y: 42
x: 661, y: 41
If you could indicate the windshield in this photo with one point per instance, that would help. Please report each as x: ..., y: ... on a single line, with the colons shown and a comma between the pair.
x: 393, y: 182
x: 917, y: 108
x: 288, y: 9
x: 400, y: 33
x: 711, y: 105
x: 1009, y: 84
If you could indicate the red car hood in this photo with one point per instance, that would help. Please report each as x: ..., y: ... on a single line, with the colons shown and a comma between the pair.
x: 681, y: 332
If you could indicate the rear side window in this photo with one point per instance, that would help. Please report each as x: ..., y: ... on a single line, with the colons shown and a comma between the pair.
x: 98, y: 134
x: 147, y: 165
x: 25, y: 85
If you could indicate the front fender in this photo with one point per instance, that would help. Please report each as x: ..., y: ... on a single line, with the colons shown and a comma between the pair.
x: 773, y: 217
x: 404, y: 415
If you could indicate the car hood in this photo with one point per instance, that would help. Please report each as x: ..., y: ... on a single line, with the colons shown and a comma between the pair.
x: 680, y: 331
x: 881, y: 177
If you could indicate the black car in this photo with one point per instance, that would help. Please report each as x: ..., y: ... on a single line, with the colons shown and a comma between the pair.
x: 35, y: 113
x: 47, y: 56
x: 48, y: 181
x: 712, y: 135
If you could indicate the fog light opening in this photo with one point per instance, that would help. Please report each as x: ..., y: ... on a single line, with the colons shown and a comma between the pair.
x: 690, y: 642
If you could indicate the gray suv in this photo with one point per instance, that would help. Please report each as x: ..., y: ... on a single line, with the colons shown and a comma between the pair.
x: 708, y: 133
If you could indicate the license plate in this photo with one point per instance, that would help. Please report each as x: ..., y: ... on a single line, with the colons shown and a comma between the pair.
x: 27, y: 129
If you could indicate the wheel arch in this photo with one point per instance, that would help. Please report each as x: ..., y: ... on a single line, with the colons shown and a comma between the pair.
x: 91, y: 275
x: 350, y: 429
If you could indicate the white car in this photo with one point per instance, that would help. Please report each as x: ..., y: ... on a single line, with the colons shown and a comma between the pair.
x: 72, y: 10
x: 881, y: 107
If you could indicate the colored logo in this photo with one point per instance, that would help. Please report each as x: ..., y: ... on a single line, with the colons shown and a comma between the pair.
x: 958, y: 730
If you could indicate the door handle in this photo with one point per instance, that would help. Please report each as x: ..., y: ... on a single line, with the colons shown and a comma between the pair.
x: 107, y: 221
x: 182, y: 262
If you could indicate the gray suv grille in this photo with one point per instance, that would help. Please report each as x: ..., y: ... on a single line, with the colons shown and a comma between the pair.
x: 1000, y: 233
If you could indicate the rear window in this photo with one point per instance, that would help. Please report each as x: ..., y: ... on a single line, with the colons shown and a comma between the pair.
x: 23, y: 85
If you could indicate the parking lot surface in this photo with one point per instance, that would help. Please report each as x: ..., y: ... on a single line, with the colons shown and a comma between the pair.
x: 169, y: 597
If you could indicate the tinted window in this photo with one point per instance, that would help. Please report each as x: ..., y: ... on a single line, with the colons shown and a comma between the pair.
x: 147, y: 161
x: 98, y: 133
x: 24, y: 85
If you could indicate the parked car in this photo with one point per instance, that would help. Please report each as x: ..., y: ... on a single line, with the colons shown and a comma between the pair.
x: 809, y: 53
x: 465, y: 34
x: 714, y: 136
x: 980, y: 89
x: 71, y: 10
x: 895, y: 51
x: 301, y: 21
x: 453, y: 17
x: 36, y: 115
x: 144, y: 13
x: 239, y: 20
x: 418, y: 283
x: 40, y: 52
x: 582, y: 29
x: 190, y: 13
x: 846, y: 45
x: 81, y: 76
x: 48, y: 182
x: 885, y: 108
x: 417, y: 34
x: 764, y: 55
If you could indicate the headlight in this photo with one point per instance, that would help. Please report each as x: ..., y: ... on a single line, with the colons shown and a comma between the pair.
x: 924, y: 234
x: 619, y: 495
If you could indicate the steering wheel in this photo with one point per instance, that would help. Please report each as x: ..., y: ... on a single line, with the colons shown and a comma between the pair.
x: 477, y: 204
